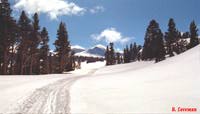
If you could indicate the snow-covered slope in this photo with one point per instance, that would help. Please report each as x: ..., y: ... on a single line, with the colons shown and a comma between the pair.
x: 96, y: 51
x: 43, y: 94
x: 140, y: 87
x: 14, y: 89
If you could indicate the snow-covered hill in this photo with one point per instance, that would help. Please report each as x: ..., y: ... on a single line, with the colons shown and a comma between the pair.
x: 96, y: 51
x: 139, y: 87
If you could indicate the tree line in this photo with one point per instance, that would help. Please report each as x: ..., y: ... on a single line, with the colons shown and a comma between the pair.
x: 24, y: 48
x: 157, y: 45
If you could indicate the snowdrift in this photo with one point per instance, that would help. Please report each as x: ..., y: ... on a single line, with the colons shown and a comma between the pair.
x: 141, y: 87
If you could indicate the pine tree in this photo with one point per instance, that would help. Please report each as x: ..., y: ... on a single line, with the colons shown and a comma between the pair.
x: 7, y: 36
x: 44, y: 52
x: 131, y: 52
x: 112, y: 54
x: 135, y: 51
x: 171, y: 37
x: 139, y: 47
x: 127, y: 55
x: 118, y: 58
x: 62, y: 48
x: 185, y: 35
x: 146, y: 53
x: 51, y: 69
x: 194, y: 35
x: 107, y: 56
x: 160, y: 54
x: 23, y: 52
x: 13, y: 47
x: 71, y: 65
x: 153, y: 42
x: 34, y: 42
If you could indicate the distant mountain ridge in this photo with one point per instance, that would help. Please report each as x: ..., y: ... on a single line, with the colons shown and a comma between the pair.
x: 96, y: 51
x: 77, y: 49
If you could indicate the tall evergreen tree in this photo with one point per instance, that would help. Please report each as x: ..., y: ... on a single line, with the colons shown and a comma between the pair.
x: 153, y: 42
x: 194, y: 35
x: 118, y: 58
x: 127, y: 55
x: 71, y: 65
x: 23, y: 52
x: 171, y: 37
x: 62, y: 48
x: 34, y: 42
x: 139, y: 47
x: 7, y: 35
x: 107, y: 56
x: 131, y: 52
x: 13, y: 47
x: 44, y: 52
x: 135, y: 51
x: 112, y: 54
x: 146, y: 52
x: 160, y: 54
x: 51, y: 65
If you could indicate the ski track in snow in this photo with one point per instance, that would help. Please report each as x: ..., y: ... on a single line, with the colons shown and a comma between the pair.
x: 53, y: 98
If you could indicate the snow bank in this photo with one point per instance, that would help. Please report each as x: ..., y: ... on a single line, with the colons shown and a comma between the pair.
x: 139, y: 87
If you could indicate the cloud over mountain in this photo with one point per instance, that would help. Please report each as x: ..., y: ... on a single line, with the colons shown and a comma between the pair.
x: 111, y: 35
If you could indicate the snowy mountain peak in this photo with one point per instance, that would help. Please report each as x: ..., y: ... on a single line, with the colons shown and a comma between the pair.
x: 96, y: 51
x: 99, y: 46
x: 77, y: 47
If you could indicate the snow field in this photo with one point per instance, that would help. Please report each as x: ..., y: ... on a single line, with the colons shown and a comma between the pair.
x: 145, y: 89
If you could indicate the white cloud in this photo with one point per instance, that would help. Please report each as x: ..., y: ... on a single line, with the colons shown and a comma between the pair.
x: 53, y: 8
x: 97, y: 9
x: 111, y: 35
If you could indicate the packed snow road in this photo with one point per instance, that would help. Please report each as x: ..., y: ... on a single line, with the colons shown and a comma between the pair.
x: 51, y: 99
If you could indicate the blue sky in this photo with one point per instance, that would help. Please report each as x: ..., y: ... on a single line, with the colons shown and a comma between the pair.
x: 91, y: 22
